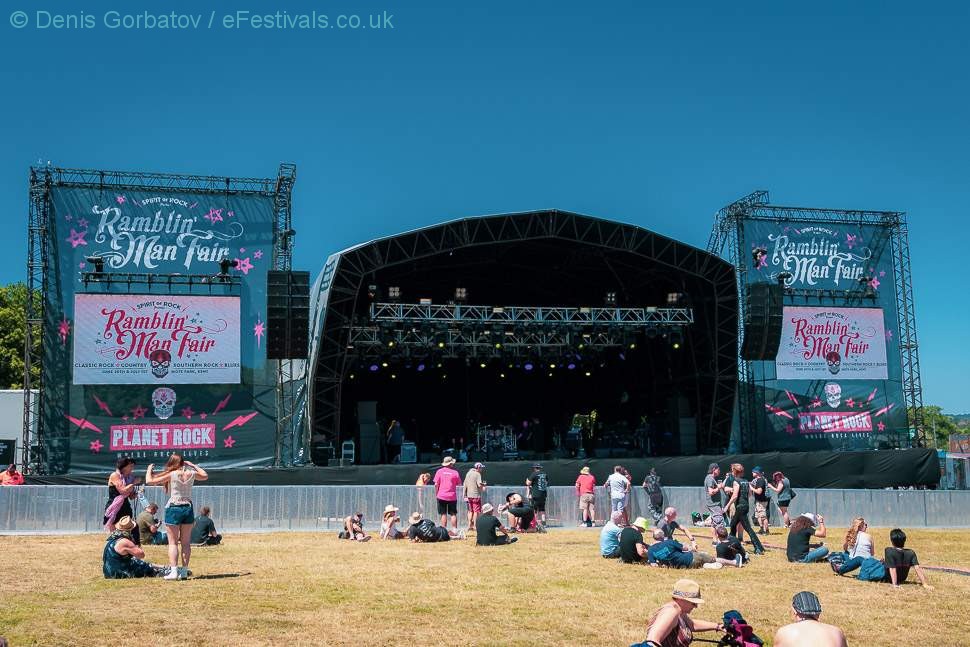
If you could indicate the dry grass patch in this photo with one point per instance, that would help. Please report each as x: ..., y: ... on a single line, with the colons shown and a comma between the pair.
x: 554, y: 589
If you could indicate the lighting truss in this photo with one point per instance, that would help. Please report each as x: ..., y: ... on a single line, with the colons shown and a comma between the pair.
x: 528, y: 315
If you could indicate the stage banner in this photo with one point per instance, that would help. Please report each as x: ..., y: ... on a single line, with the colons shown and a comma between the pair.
x: 836, y: 382
x: 147, y: 339
x: 819, y: 343
x: 142, y: 369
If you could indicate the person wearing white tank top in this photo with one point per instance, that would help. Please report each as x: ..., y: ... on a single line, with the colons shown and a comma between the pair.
x: 177, y: 479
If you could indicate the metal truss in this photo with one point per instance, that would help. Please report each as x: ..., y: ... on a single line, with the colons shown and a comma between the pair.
x: 36, y: 450
x: 713, y: 350
x: 728, y: 232
x: 372, y: 340
x: 529, y: 315
x: 191, y: 283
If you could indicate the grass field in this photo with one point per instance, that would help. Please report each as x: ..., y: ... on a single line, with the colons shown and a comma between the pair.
x: 553, y: 589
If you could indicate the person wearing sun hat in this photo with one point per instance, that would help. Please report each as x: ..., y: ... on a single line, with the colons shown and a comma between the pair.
x: 389, y: 529
x: 671, y: 624
x: 807, y: 630
x: 586, y: 491
x: 122, y: 557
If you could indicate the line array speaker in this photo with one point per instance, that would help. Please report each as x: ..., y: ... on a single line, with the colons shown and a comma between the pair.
x: 287, y: 315
x: 762, y: 321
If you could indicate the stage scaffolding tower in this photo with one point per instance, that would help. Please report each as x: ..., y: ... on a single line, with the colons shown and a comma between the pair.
x: 727, y: 239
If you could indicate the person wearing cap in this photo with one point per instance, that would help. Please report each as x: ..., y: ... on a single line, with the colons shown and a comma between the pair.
x: 424, y: 530
x: 446, y: 482
x: 474, y: 487
x: 586, y: 491
x: 672, y: 554
x: 671, y: 624
x: 807, y: 630
x: 759, y: 488
x: 632, y: 548
x: 610, y: 536
x: 800, y: 548
x: 713, y: 488
x: 122, y: 557
x: 11, y: 476
x: 389, y: 529
x: 536, y: 489
x: 486, y: 526
x: 354, y: 528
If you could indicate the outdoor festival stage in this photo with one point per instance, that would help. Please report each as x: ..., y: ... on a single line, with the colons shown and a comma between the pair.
x: 849, y: 470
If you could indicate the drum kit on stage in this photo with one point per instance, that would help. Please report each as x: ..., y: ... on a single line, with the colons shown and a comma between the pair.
x: 495, y: 439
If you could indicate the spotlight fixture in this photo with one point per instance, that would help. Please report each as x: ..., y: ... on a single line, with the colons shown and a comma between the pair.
x: 528, y: 366
x: 390, y: 344
x: 676, y: 339
x: 225, y: 264
x: 783, y: 277
x: 420, y: 367
x: 98, y: 262
x: 610, y: 299
x: 674, y: 298
x: 374, y: 368
x: 461, y: 295
x: 394, y: 293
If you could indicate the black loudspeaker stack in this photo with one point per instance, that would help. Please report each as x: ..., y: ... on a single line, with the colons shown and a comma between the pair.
x: 287, y: 315
x: 762, y: 321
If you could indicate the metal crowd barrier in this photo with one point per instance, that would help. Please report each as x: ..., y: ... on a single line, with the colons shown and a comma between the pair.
x: 79, y: 508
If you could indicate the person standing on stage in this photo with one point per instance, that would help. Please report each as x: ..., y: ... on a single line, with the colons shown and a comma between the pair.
x: 655, y: 495
x: 536, y: 489
x: 740, y: 491
x: 446, y: 482
x: 586, y: 491
x: 759, y: 488
x: 474, y: 488
x: 782, y: 487
x: 121, y: 488
x: 395, y: 438
x: 177, y: 479
x: 713, y: 489
x: 618, y: 486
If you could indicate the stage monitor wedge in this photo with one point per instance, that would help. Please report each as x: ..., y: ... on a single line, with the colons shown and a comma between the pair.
x: 287, y: 315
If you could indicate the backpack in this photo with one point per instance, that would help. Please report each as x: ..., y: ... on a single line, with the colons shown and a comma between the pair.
x: 872, y: 570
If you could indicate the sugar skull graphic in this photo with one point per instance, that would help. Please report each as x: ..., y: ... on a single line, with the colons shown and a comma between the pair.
x: 163, y: 399
x: 834, y: 361
x: 160, y: 360
x: 833, y: 395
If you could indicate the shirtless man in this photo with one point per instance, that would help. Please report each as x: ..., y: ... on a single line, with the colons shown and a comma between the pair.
x: 807, y: 631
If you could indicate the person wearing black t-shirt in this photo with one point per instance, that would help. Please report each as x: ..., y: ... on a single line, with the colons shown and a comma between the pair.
x: 486, y: 526
x: 729, y: 548
x: 800, y: 549
x: 425, y: 530
x: 739, y: 489
x: 632, y: 548
x: 759, y: 488
x: 900, y: 559
x: 537, y: 487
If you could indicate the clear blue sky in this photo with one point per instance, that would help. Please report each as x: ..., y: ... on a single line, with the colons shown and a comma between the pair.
x: 650, y: 112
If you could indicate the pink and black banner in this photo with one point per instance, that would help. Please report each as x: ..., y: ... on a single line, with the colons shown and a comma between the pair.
x: 823, y: 343
x: 150, y: 339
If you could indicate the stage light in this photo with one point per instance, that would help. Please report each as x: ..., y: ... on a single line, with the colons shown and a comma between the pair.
x: 581, y: 346
x: 498, y: 345
x: 374, y: 368
x: 570, y: 366
x: 528, y: 366
x: 372, y: 292
x: 420, y: 367
x: 674, y: 298
x: 633, y: 346
x: 98, y: 262
x: 461, y: 295
x: 550, y: 375
x: 394, y: 293
x: 384, y: 364
x: 588, y: 373
x: 393, y: 376
x: 610, y: 299
x: 225, y: 264
x: 438, y: 365
x: 483, y: 365
x: 390, y: 344
x: 502, y: 375
x: 441, y: 344
x: 622, y: 357
x: 352, y: 376
x: 676, y: 345
x: 552, y: 366
x: 676, y: 339
x: 652, y: 332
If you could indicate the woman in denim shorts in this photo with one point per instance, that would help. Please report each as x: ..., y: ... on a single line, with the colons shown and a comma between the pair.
x: 177, y: 479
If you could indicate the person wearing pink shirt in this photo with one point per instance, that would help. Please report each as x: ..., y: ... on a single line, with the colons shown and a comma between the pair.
x: 585, y: 490
x: 446, y: 483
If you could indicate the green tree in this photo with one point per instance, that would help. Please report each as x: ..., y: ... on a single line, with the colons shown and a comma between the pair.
x: 937, y: 425
x: 13, y: 326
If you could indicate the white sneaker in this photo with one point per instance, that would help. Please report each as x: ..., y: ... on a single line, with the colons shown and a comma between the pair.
x: 738, y: 560
x: 173, y: 573
x: 714, y: 565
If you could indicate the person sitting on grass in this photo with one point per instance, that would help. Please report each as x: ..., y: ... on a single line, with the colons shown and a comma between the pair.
x: 669, y: 525
x: 389, y: 529
x: 354, y: 528
x: 807, y: 631
x: 610, y: 536
x: 123, y: 558
x: 148, y: 524
x: 425, y: 530
x: 486, y: 525
x: 857, y: 547
x: 522, y: 516
x: 632, y: 548
x: 799, y: 537
x: 672, y: 554
x: 729, y: 548
x: 671, y: 624
x: 204, y: 531
x: 900, y: 559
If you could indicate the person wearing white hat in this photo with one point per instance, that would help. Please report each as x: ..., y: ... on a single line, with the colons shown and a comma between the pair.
x: 446, y: 483
x: 671, y: 624
x: 486, y: 526
x: 389, y: 529
x: 586, y: 491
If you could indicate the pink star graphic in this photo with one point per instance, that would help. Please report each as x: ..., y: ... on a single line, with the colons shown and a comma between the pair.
x: 850, y: 402
x: 81, y: 265
x: 138, y: 412
x: 82, y: 222
x: 230, y: 214
x: 229, y: 441
x: 124, y: 418
x: 258, y: 254
x: 889, y: 334
x: 882, y: 273
x: 64, y: 329
x: 203, y: 415
x: 258, y: 331
x: 881, y: 426
x: 214, y: 216
x: 874, y: 283
x: 244, y: 265
x: 187, y: 412
x: 120, y: 199
x: 242, y: 250
x: 816, y: 403
x: 96, y: 446
x: 77, y: 238
x: 850, y: 240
